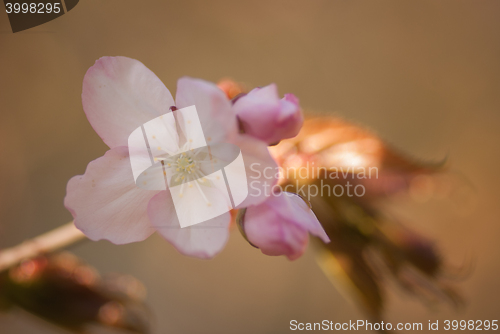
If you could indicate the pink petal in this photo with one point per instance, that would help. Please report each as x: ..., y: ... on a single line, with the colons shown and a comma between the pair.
x: 258, y: 110
x: 214, y: 109
x: 264, y: 116
x: 274, y: 235
x: 291, y: 118
x: 281, y: 225
x: 106, y: 203
x: 203, y: 240
x: 292, y: 99
x: 261, y: 169
x: 293, y: 208
x: 119, y: 95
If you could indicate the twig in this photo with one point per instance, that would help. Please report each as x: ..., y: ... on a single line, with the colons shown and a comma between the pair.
x: 48, y: 242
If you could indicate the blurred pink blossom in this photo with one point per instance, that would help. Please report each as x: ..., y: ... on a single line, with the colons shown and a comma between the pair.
x: 264, y: 115
x: 281, y: 225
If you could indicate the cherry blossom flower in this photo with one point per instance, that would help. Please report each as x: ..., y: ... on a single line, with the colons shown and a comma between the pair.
x: 281, y: 225
x: 264, y: 116
x: 119, y: 95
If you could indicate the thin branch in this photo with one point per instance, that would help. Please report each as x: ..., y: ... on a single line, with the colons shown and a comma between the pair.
x: 48, y: 242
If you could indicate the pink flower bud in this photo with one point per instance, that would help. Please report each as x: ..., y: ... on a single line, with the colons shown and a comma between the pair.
x: 281, y: 225
x: 263, y: 115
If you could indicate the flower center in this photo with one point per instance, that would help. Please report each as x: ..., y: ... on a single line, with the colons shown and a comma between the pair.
x: 185, y: 164
x: 185, y: 168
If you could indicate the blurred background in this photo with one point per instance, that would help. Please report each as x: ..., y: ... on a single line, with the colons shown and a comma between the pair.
x: 424, y: 75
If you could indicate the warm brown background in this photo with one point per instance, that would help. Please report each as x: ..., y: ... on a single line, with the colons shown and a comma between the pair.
x: 423, y: 74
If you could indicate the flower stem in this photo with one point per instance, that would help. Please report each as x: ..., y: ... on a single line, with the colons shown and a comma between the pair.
x: 58, y: 238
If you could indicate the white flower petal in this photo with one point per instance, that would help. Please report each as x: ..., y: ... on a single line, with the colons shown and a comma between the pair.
x: 203, y: 240
x: 120, y: 94
x: 106, y: 203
